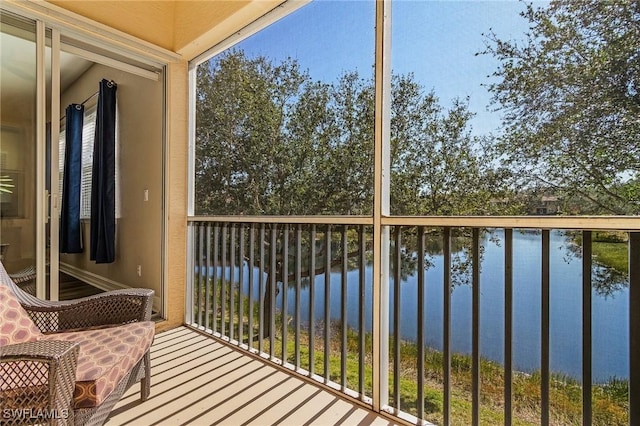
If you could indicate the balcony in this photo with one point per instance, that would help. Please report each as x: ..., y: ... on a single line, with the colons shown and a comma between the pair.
x: 235, y: 293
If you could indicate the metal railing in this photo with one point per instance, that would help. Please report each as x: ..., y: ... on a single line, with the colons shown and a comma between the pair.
x: 237, y: 293
x: 297, y: 291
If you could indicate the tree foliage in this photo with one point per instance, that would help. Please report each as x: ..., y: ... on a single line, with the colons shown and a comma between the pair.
x: 270, y: 140
x: 570, y: 97
x: 438, y: 166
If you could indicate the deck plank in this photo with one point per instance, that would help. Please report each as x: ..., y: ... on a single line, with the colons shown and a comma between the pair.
x: 199, y: 381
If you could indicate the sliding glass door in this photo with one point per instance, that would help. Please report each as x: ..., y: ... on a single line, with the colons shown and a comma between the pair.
x: 19, y: 221
x: 29, y: 188
x: 43, y: 72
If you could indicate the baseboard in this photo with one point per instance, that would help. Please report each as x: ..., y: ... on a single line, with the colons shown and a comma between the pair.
x: 99, y: 281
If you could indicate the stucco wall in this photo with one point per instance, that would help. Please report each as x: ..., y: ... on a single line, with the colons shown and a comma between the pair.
x: 176, y: 178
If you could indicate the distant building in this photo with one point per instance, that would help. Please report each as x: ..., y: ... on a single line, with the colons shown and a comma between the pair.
x: 548, y: 204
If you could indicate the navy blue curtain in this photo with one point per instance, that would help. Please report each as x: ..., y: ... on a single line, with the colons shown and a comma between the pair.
x: 70, y: 232
x: 103, y: 180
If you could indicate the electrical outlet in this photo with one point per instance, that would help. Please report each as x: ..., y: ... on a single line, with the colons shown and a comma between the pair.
x: 139, y: 270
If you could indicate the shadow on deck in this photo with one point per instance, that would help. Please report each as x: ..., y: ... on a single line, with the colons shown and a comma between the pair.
x: 199, y: 381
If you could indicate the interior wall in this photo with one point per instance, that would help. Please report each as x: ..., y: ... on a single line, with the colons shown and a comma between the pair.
x: 139, y: 224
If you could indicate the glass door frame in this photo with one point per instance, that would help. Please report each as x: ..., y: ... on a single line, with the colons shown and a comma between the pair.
x: 47, y: 205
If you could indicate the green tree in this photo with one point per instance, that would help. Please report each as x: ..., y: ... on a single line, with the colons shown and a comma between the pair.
x: 569, y: 95
x: 270, y: 140
x: 438, y: 166
x: 241, y: 152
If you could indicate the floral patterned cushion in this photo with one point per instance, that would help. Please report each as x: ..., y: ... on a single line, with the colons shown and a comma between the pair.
x: 106, y: 356
x: 16, y: 325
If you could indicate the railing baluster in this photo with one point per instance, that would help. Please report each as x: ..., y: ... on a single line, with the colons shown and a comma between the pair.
x: 207, y: 280
x: 586, y: 328
x: 192, y: 264
x: 420, y: 322
x: 252, y: 262
x: 396, y: 318
x: 198, y: 281
x: 634, y: 328
x: 475, y: 351
x: 285, y: 288
x: 327, y: 301
x: 343, y: 309
x: 544, y: 338
x: 508, y: 324
x: 298, y: 289
x: 312, y: 298
x: 232, y: 279
x: 261, y: 291
x: 241, y: 284
x: 361, y: 308
x: 223, y: 285
x: 200, y: 275
x: 216, y: 279
x: 446, y: 335
x: 273, y: 282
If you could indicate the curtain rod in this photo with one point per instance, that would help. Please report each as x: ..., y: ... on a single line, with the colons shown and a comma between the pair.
x: 111, y: 83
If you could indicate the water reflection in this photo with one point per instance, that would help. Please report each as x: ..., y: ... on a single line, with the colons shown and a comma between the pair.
x: 609, y: 304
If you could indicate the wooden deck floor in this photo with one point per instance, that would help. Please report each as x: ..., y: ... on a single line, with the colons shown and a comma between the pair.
x: 199, y: 381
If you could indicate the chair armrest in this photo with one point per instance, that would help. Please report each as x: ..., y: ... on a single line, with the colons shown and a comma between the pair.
x: 38, y: 379
x: 109, y: 308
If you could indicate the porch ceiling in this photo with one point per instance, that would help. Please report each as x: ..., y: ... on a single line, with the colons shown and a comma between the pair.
x: 185, y: 27
x: 197, y: 380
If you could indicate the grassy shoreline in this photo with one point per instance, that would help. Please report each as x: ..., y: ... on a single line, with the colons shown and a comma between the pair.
x: 610, y: 249
x: 610, y: 400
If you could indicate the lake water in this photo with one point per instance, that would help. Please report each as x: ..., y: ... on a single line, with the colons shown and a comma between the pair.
x: 610, y: 318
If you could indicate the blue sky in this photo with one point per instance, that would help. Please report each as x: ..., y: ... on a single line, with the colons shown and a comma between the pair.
x: 435, y: 40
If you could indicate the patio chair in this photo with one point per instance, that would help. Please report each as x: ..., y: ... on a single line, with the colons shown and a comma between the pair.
x: 25, y: 278
x: 68, y: 363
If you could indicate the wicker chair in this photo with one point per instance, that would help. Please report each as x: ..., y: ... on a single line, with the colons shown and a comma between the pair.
x: 25, y: 279
x: 70, y: 362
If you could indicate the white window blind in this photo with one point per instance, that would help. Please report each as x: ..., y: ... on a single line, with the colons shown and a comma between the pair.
x: 88, y: 136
